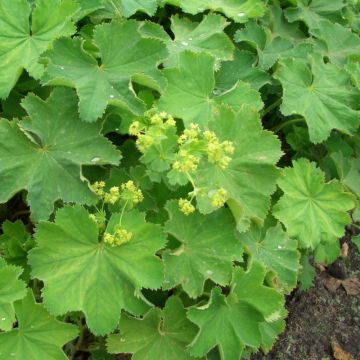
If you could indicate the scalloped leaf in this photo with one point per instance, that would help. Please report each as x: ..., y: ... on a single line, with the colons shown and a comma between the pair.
x: 38, y: 335
x: 311, y: 209
x: 232, y: 322
x: 322, y: 94
x: 160, y: 334
x: 44, y: 154
x: 23, y: 41
x: 11, y: 290
x: 125, y: 56
x: 98, y: 279
x: 190, y: 93
x: 205, y: 251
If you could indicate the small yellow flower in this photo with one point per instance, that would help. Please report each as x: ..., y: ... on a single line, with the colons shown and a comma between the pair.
x: 131, y: 193
x: 219, y: 198
x: 143, y: 142
x: 109, y: 239
x: 112, y: 196
x: 98, y: 188
x: 186, y: 206
x: 156, y: 120
x: 170, y: 122
x: 122, y: 236
x: 134, y: 128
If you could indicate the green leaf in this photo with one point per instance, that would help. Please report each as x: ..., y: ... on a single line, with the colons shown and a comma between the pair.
x: 11, y: 290
x: 161, y: 334
x: 251, y: 176
x: 327, y: 251
x: 207, y: 36
x: 336, y: 42
x: 125, y: 56
x: 273, y: 248
x: 38, y: 335
x: 44, y: 154
x: 307, y: 273
x: 321, y: 94
x: 130, y: 7
x: 232, y: 322
x: 313, y: 11
x: 243, y: 68
x: 238, y: 10
x: 270, y: 332
x: 190, y: 93
x: 356, y: 241
x: 23, y: 41
x: 98, y: 279
x: 312, y: 210
x: 208, y: 247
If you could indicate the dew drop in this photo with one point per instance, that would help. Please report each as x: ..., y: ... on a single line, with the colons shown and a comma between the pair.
x: 122, y: 340
x: 117, y: 129
x: 62, y: 68
x: 241, y: 14
x: 209, y: 272
x: 112, y: 96
x: 95, y: 159
x: 184, y: 43
x: 279, y: 247
x: 190, y: 39
x: 68, y: 152
x: 3, y: 319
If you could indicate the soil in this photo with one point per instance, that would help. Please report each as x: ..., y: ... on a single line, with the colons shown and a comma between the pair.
x: 319, y: 317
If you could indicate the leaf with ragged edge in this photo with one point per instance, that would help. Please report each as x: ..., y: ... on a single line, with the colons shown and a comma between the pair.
x: 243, y: 68
x: 11, y: 290
x: 232, y: 322
x: 251, y: 176
x: 307, y: 273
x: 313, y: 11
x: 356, y: 241
x: 322, y: 94
x: 208, y: 248
x: 273, y: 247
x: 190, y: 91
x: 336, y: 42
x: 270, y: 333
x: 44, y: 154
x: 207, y: 36
x: 311, y: 209
x: 98, y: 279
x: 125, y: 56
x: 38, y: 335
x: 161, y: 334
x: 238, y: 10
x: 130, y: 7
x: 270, y: 48
x: 22, y: 42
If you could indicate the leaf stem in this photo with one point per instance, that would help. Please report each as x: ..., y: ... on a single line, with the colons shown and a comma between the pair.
x: 355, y: 226
x: 279, y: 127
x: 122, y: 212
x: 271, y: 107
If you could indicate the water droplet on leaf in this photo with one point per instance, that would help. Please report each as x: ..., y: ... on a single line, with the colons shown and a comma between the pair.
x: 184, y: 43
x: 95, y: 159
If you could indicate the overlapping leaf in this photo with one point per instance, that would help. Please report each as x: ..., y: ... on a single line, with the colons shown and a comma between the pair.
x: 11, y: 290
x: 161, y: 334
x: 232, y: 322
x: 204, y: 253
x: 22, y: 42
x: 312, y: 210
x: 190, y: 92
x: 322, y: 94
x: 125, y: 56
x: 250, y: 178
x: 44, y: 154
x: 98, y: 279
x: 38, y: 335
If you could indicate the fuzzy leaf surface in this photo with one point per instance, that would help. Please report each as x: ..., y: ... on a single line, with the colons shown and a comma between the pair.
x: 125, y: 56
x: 322, y: 94
x: 98, y: 279
x: 21, y: 44
x: 161, y: 334
x: 232, y: 322
x: 38, y: 335
x: 43, y: 154
x: 311, y: 209
x: 204, y: 253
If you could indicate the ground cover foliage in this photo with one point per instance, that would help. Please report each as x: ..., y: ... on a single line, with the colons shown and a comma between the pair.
x: 170, y: 171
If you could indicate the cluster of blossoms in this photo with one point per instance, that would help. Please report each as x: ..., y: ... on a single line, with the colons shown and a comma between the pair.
x: 120, y: 237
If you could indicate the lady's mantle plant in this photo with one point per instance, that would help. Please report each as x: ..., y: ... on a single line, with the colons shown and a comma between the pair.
x: 182, y: 161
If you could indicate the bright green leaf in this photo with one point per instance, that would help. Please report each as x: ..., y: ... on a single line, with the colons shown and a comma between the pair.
x: 322, y: 94
x: 44, y: 154
x: 190, y: 93
x: 23, y: 41
x: 38, y: 335
x: 103, y: 279
x: 312, y: 210
x: 11, y: 290
x: 356, y: 241
x: 125, y: 56
x: 232, y: 322
x: 161, y: 334
x: 307, y: 273
x: 207, y: 251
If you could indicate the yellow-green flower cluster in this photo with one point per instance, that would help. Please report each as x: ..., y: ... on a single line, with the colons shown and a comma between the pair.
x: 100, y: 219
x: 218, y: 152
x: 186, y: 206
x: 112, y: 196
x: 98, y: 188
x: 190, y: 133
x: 131, y: 193
x: 219, y: 198
x: 120, y: 237
x: 186, y: 162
